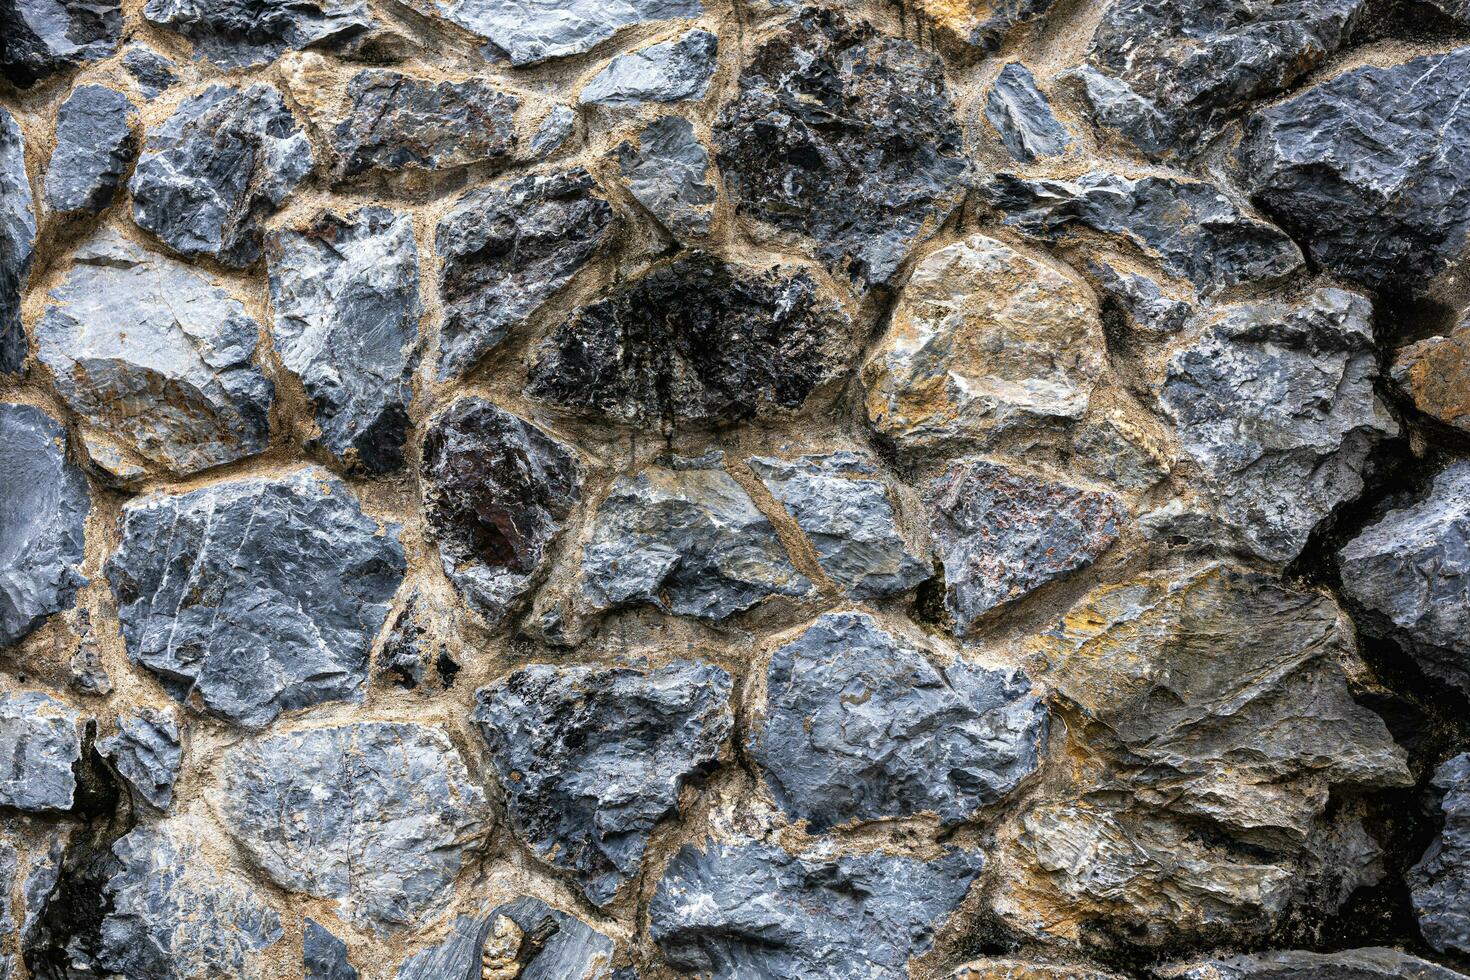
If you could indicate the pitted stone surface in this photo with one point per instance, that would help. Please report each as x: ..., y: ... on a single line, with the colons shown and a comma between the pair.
x: 147, y: 753
x: 1440, y: 881
x: 1435, y: 373
x: 40, y: 38
x: 668, y: 172
x: 323, y: 955
x: 538, y: 30
x: 244, y: 33
x: 94, y: 147
x: 255, y: 596
x: 524, y: 939
x: 667, y: 72
x: 1022, y: 116
x: 1371, y: 963
x: 17, y: 241
x: 39, y: 744
x: 592, y: 759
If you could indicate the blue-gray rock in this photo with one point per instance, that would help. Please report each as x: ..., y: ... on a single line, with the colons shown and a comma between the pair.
x: 1139, y: 298
x: 846, y: 136
x: 243, y: 33
x: 1408, y: 574
x: 1368, y: 170
x: 94, y: 146
x: 1440, y: 881
x: 1022, y: 116
x: 668, y: 173
x: 42, y: 523
x: 507, y: 248
x: 257, y: 595
x: 219, y: 166
x: 543, y: 29
x: 591, y: 759
x: 1189, y: 227
x: 17, y: 241
x: 525, y: 939
x: 554, y: 131
x: 1002, y: 533
x: 1369, y: 963
x: 39, y: 744
x: 176, y: 916
x: 323, y: 955
x: 1274, y: 402
x: 380, y: 816
x: 345, y: 305
x: 497, y: 492
x: 156, y: 360
x: 668, y: 72
x: 753, y: 911
x: 153, y: 73
x: 404, y: 655
x: 858, y: 725
x: 847, y: 513
x: 1112, y: 105
x: 684, y: 537
x: 147, y: 753
x: 39, y: 38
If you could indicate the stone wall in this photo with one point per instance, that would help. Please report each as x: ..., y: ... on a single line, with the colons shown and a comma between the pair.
x: 568, y: 488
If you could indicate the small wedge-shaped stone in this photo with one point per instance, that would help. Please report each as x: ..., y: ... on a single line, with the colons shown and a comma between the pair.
x: 242, y: 33
x: 152, y: 72
x: 858, y: 725
x: 94, y: 146
x: 39, y: 38
x: 345, y: 299
x: 1141, y: 299
x: 1371, y: 963
x: 146, y: 752
x: 39, y: 745
x: 666, y: 72
x: 1441, y: 879
x: 42, y: 521
x: 219, y: 166
x: 156, y: 360
x: 1436, y: 375
x: 529, y: 31
x: 591, y: 759
x: 323, y: 955
x: 17, y: 241
x: 255, y: 596
x: 685, y: 537
x: 525, y: 939
x: 1022, y: 116
x: 379, y: 816
x: 507, y: 249
x: 668, y: 172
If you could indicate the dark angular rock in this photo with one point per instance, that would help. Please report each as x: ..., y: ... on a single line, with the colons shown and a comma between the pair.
x: 17, y: 241
x: 405, y: 652
x: 147, y: 753
x: 39, y: 38
x: 508, y: 248
x: 1188, y: 226
x: 591, y: 759
x: 753, y: 911
x: 844, y: 509
x: 846, y: 136
x: 983, y: 25
x: 1111, y: 104
x: 242, y: 33
x: 668, y: 173
x: 1140, y: 298
x: 345, y: 298
x: 156, y: 360
x: 1002, y: 533
x: 698, y: 341
x: 1441, y: 879
x: 668, y: 72
x: 497, y: 492
x: 258, y: 595
x: 859, y: 726
x: 1409, y: 573
x: 377, y: 815
x: 1022, y: 116
x: 554, y: 28
x: 1371, y: 963
x: 525, y: 939
x: 686, y: 538
x: 153, y: 73
x: 219, y: 166
x: 1368, y: 170
x: 554, y: 131
x: 323, y: 955
x: 39, y: 745
x: 94, y: 146
x: 42, y: 522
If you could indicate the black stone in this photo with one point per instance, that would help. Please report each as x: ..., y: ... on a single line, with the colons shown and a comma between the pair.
x: 39, y: 38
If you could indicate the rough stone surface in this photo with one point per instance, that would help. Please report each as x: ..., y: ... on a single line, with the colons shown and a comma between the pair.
x: 345, y: 301
x: 497, y: 492
x: 1435, y: 373
x: 156, y: 360
x: 590, y: 759
x: 323, y: 955
x: 864, y: 161
x: 147, y: 753
x: 242, y: 33
x: 1022, y: 116
x: 1141, y: 299
x: 255, y: 596
x: 1440, y: 881
x: 507, y: 248
x: 17, y: 241
x: 1026, y: 970
x: 668, y: 173
x: 667, y: 72
x: 1372, y: 963
x: 152, y: 72
x: 39, y: 745
x: 39, y: 38
x: 94, y: 147
x: 984, y: 25
x: 218, y: 167
x: 543, y: 29
x: 44, y: 503
x: 525, y: 939
x: 698, y: 341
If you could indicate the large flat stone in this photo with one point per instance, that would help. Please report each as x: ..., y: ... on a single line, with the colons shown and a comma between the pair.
x: 244, y: 33
x: 95, y: 143
x: 671, y: 71
x: 531, y: 31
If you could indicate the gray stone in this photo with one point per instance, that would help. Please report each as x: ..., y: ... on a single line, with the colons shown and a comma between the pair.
x: 38, y: 747
x: 846, y: 136
x: 257, y: 595
x: 497, y: 492
x: 219, y: 166
x: 668, y: 72
x: 153, y: 73
x: 685, y: 537
x: 507, y: 248
x: 380, y: 816
x: 17, y: 241
x: 1116, y: 451
x: 345, y: 302
x: 525, y: 939
x: 753, y: 911
x: 323, y: 955
x: 1274, y: 402
x: 156, y: 360
x: 39, y: 38
x: 1367, y: 169
x: 242, y: 33
x: 668, y: 173
x: 42, y: 521
x: 1002, y: 533
x: 984, y: 25
x: 1188, y: 226
x: 1022, y: 116
x: 554, y: 131
x: 1440, y: 881
x: 404, y: 655
x: 1113, y: 105
x: 1140, y: 299
x: 176, y: 916
x: 543, y: 29
x: 94, y: 146
x: 147, y: 753
x: 1409, y: 574
x: 858, y: 725
x: 1371, y: 963
x: 846, y: 512
x: 591, y: 759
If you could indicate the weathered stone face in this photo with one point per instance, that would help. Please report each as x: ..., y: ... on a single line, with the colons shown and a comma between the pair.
x: 1373, y: 963
x: 94, y: 147
x: 545, y: 29
x: 668, y: 173
x: 242, y: 33
x: 323, y: 955
x: 525, y: 939
x: 1442, y: 876
x: 39, y: 744
x: 1022, y: 116
x: 17, y: 241
x: 667, y: 72
x: 45, y: 37
x: 591, y: 759
x: 146, y: 752
x: 1435, y: 373
x: 1148, y: 307
x: 982, y: 24
x: 151, y: 71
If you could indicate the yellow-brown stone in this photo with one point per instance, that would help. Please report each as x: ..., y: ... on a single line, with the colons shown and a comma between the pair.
x: 1436, y: 375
